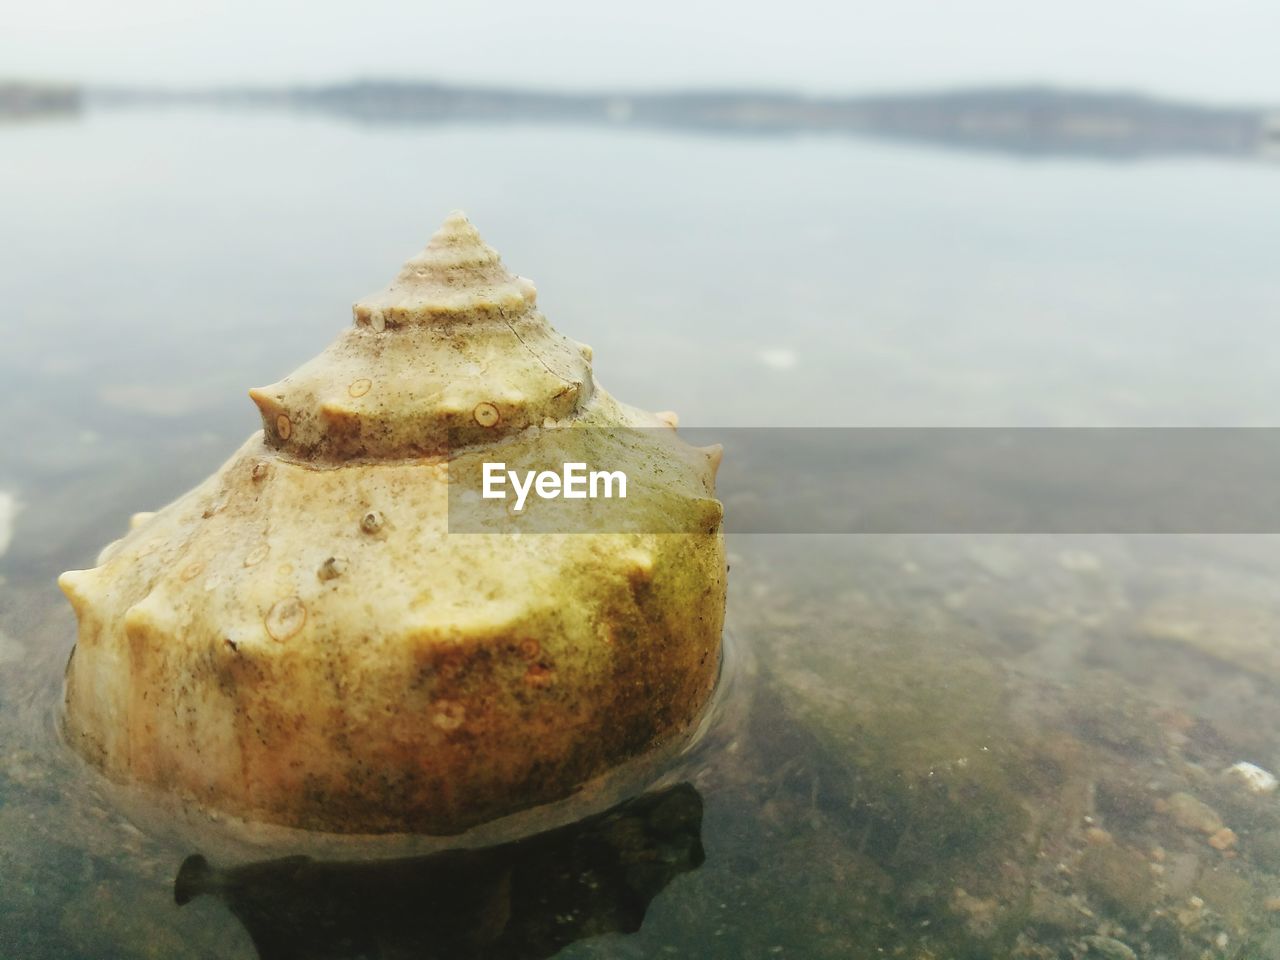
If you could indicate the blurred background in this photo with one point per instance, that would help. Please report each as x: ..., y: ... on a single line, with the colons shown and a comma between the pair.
x: 987, y: 213
x: 922, y: 213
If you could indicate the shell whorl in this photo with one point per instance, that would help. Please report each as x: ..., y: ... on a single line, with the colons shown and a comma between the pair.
x: 451, y: 353
x: 457, y: 276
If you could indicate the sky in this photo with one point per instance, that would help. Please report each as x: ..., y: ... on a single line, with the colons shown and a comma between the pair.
x: 1210, y: 50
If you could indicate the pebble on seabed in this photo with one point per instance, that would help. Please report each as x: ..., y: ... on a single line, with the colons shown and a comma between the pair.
x: 1252, y: 777
x: 1110, y: 948
x: 1191, y: 813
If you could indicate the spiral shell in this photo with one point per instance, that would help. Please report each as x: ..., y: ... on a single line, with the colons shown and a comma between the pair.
x: 300, y: 640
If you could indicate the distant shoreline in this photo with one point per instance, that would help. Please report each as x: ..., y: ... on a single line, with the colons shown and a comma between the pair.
x: 18, y: 100
x: 1029, y: 121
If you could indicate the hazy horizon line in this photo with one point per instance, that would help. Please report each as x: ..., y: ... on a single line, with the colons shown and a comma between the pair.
x: 674, y: 89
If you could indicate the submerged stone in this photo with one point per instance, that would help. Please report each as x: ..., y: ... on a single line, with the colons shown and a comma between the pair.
x: 1121, y: 878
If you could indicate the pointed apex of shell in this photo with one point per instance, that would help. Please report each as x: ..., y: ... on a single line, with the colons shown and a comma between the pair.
x: 457, y: 222
x: 457, y: 244
x: 457, y: 229
x: 458, y: 276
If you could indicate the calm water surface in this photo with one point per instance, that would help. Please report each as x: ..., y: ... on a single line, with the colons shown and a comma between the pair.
x: 943, y: 747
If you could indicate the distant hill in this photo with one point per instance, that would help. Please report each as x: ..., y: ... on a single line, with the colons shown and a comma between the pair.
x: 33, y: 99
x: 1025, y: 120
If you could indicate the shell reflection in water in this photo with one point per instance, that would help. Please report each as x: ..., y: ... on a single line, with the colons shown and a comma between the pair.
x: 524, y: 900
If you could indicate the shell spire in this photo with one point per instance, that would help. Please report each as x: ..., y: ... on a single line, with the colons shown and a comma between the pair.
x: 457, y: 276
x: 452, y: 351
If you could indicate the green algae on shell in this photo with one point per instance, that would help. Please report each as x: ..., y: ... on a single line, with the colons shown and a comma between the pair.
x: 299, y: 640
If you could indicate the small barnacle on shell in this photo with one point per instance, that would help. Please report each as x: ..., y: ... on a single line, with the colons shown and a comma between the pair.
x: 285, y: 618
x: 486, y: 414
x: 514, y: 668
x: 332, y: 568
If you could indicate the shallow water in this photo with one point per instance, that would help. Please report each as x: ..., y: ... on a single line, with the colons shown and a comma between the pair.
x: 949, y: 746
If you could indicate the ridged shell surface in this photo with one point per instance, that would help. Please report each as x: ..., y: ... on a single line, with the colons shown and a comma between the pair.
x: 300, y: 640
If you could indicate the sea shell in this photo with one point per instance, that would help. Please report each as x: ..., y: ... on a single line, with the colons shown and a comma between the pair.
x: 301, y: 641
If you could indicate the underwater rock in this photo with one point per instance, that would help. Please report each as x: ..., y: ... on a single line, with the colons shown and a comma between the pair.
x: 1223, y: 839
x: 1228, y: 891
x: 1121, y: 879
x: 1054, y: 911
x: 1193, y: 814
x: 1110, y: 948
x: 1252, y: 777
x: 1235, y: 631
x: 301, y: 641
